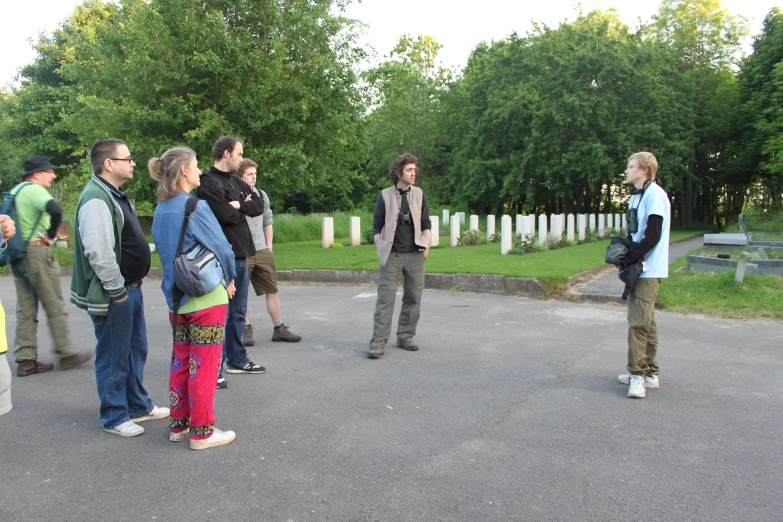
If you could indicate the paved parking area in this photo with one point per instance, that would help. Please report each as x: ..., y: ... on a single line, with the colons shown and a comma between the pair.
x: 510, y: 411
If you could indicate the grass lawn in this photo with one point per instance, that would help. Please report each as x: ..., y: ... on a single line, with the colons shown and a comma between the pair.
x: 551, y: 267
x: 717, y: 294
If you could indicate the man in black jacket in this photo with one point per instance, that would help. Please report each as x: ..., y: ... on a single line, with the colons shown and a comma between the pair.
x: 232, y: 201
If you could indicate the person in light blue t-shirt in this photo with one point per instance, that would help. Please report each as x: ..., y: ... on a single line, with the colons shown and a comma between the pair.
x: 649, y: 218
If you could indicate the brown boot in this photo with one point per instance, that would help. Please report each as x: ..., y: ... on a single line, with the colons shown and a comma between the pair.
x: 25, y: 368
x: 282, y: 333
x: 74, y: 360
x: 375, y: 352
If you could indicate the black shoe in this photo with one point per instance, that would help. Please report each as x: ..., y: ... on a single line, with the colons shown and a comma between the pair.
x: 221, y: 383
x: 247, y: 335
x: 248, y: 367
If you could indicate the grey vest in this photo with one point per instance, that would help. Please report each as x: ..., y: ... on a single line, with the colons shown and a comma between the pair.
x: 392, y: 199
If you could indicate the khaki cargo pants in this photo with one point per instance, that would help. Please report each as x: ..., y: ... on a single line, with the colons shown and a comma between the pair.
x: 43, y: 286
x: 642, y: 328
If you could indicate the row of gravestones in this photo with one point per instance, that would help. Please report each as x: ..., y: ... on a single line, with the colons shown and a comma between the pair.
x: 574, y: 226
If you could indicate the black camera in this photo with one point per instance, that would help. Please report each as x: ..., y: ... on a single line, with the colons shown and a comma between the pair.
x: 405, y: 217
x: 633, y: 221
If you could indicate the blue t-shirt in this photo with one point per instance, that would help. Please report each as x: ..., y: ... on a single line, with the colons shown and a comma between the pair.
x: 654, y: 201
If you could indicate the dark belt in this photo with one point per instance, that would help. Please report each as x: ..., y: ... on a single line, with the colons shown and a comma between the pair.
x: 39, y: 242
x: 133, y: 285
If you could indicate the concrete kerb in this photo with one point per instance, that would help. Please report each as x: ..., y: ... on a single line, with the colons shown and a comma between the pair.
x: 475, y: 283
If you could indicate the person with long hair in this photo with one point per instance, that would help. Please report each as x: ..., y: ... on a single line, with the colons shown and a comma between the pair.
x: 201, y: 321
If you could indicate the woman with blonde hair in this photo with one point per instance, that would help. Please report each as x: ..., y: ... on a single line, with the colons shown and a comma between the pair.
x: 201, y: 321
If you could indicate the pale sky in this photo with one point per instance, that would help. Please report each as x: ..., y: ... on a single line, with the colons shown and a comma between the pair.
x: 457, y: 25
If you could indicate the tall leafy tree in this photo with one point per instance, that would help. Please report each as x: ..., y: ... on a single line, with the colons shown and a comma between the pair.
x: 278, y: 74
x: 544, y: 123
x: 761, y: 112
x: 706, y: 41
x: 405, y: 91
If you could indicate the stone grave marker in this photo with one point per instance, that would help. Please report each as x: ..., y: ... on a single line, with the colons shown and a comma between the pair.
x: 327, y: 232
x: 435, y: 232
x: 505, y: 234
x: 455, y: 224
x: 356, y: 231
x: 570, y: 227
x: 542, y: 229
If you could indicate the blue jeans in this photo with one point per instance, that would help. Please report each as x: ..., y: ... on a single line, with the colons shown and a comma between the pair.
x: 234, y: 351
x: 119, y: 360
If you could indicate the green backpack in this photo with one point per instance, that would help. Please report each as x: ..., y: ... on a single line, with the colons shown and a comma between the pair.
x: 16, y: 247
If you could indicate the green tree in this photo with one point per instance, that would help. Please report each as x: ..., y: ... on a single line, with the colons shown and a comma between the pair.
x: 760, y: 115
x: 158, y: 73
x: 405, y: 92
x: 705, y: 39
x: 545, y: 123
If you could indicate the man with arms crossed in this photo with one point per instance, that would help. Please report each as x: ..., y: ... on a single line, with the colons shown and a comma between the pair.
x: 650, y: 234
x: 111, y: 256
x: 401, y: 226
x: 232, y: 202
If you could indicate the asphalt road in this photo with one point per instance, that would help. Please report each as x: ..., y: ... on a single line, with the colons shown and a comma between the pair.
x: 510, y: 411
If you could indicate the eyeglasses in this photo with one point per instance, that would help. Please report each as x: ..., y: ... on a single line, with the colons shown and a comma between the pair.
x: 128, y: 159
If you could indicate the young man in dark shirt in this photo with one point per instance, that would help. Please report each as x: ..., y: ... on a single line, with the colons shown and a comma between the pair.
x: 111, y: 257
x: 401, y: 226
x: 232, y: 201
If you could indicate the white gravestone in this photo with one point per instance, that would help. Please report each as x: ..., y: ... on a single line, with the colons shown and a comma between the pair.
x: 356, y: 231
x: 625, y: 222
x: 617, y: 222
x: 580, y: 226
x: 520, y: 226
x: 570, y: 227
x: 562, y: 223
x: 542, y: 229
x: 556, y: 232
x: 445, y: 217
x: 461, y: 217
x: 490, y: 226
x: 505, y: 235
x: 327, y: 232
x: 435, y: 232
x: 474, y: 224
x: 454, y: 230
x: 591, y: 222
x: 601, y: 225
x: 609, y: 225
x: 531, y: 226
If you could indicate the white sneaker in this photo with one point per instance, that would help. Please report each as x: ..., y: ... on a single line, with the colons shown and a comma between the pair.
x: 636, y: 387
x: 155, y: 414
x: 650, y: 381
x: 126, y: 429
x: 178, y: 437
x: 218, y: 438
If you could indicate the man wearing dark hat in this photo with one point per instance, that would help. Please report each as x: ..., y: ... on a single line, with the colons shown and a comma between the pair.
x: 37, y: 277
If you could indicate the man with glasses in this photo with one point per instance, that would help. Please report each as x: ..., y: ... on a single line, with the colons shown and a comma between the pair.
x: 37, y: 276
x: 110, y: 259
x: 401, y: 226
